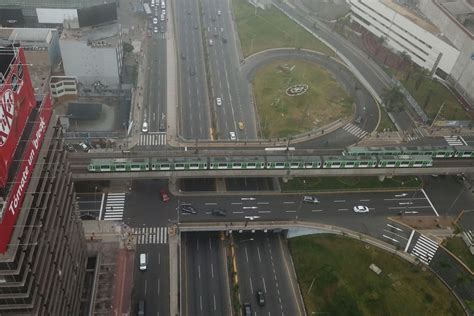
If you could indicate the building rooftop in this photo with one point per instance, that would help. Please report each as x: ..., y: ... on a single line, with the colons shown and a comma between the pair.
x: 64, y: 4
x: 105, y: 35
x: 22, y: 35
x: 412, y: 16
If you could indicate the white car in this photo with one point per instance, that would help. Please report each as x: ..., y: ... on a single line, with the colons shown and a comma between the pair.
x: 162, y: 17
x: 145, y: 127
x: 219, y: 101
x: 219, y: 12
x: 155, y: 21
x: 310, y: 199
x: 155, y: 29
x: 84, y: 147
x: 232, y: 136
x: 361, y: 209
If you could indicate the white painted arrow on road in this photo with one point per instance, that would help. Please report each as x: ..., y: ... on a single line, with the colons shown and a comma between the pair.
x: 401, y: 195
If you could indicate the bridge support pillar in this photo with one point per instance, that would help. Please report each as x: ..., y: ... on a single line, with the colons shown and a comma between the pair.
x: 381, y: 177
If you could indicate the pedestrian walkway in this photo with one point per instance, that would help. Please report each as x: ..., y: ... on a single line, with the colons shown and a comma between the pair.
x: 455, y: 141
x: 424, y: 249
x: 152, y: 139
x: 355, y: 130
x: 114, y: 206
x: 151, y: 235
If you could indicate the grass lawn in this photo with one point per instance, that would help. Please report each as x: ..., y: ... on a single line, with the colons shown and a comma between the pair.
x: 343, y: 284
x: 458, y: 247
x: 385, y: 122
x: 263, y: 29
x: 452, y: 110
x: 282, y: 115
x: 348, y: 183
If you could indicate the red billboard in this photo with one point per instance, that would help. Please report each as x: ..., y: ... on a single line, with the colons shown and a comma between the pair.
x: 17, y: 99
x: 22, y: 179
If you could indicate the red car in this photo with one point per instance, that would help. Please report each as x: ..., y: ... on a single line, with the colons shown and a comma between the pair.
x: 164, y: 195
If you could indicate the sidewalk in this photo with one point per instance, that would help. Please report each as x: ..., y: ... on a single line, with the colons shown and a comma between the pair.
x: 123, y: 282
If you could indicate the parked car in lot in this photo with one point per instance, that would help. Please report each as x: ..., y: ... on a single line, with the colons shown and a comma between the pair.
x: 155, y: 21
x: 241, y: 125
x: 164, y: 195
x: 232, y: 136
x: 188, y: 208
x: 361, y: 209
x: 310, y: 199
x: 219, y: 101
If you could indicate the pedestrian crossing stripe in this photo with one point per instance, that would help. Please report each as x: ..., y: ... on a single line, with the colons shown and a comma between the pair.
x: 455, y: 141
x: 114, y: 206
x: 151, y: 235
x: 157, y: 139
x: 424, y: 249
x: 355, y: 130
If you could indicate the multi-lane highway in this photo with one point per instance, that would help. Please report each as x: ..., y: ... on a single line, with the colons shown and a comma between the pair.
x: 154, y: 109
x: 205, y: 284
x: 152, y: 285
x: 223, y: 59
x: 195, y: 120
x: 264, y: 264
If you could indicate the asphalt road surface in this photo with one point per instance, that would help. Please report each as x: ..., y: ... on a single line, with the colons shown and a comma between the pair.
x: 194, y: 100
x: 263, y: 263
x: 225, y: 75
x: 152, y: 285
x: 155, y: 90
x: 205, y: 283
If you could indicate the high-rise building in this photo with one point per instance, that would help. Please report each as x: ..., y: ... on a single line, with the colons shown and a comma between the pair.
x: 42, y: 246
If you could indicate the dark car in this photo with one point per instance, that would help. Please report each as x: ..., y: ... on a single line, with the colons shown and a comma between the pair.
x: 260, y: 297
x: 69, y: 147
x: 188, y: 208
x: 224, y: 39
x: 141, y: 308
x: 247, y: 309
x: 219, y: 213
x: 192, y: 71
x: 183, y: 55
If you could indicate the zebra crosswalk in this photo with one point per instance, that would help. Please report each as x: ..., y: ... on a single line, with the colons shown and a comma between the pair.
x: 455, y: 141
x: 152, y: 139
x: 355, y: 130
x: 151, y: 235
x: 114, y: 206
x: 424, y: 249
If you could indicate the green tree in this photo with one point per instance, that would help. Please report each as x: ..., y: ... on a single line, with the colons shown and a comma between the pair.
x: 380, y: 40
x: 404, y: 58
x: 127, y: 47
x: 420, y: 75
x: 393, y: 99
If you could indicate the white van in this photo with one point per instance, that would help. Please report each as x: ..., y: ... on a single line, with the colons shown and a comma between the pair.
x: 163, y: 6
x: 143, y: 261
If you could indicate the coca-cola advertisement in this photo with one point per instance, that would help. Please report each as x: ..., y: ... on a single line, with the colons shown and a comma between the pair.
x: 23, y: 177
x: 17, y: 99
